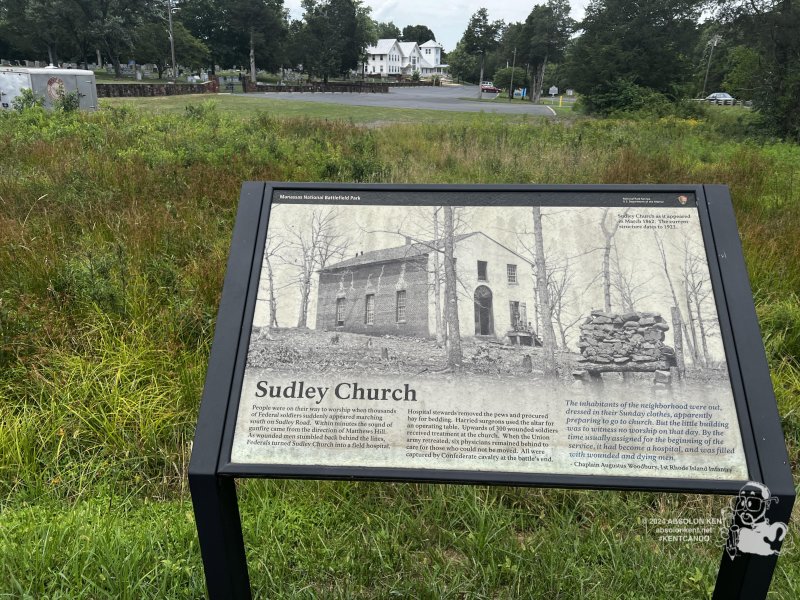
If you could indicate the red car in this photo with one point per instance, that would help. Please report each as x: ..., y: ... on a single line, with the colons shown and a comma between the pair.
x: 488, y: 86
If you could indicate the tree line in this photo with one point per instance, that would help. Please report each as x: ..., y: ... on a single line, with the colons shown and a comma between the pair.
x: 622, y: 55
x: 631, y: 55
x: 328, y: 41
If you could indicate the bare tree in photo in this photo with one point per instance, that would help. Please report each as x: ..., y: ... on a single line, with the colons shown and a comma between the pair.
x: 559, y: 282
x: 609, y: 228
x: 437, y: 279
x: 543, y: 296
x: 272, y: 251
x: 624, y: 282
x: 454, y: 353
x: 675, y: 303
x: 315, y: 245
x: 698, y: 290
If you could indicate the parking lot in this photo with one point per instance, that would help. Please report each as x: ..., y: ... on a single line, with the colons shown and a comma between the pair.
x: 451, y: 98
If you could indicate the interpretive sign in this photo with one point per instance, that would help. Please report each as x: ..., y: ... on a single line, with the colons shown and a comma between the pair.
x: 580, y: 336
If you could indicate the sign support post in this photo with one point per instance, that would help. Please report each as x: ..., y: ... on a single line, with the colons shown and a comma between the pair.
x: 749, y: 575
x: 216, y: 507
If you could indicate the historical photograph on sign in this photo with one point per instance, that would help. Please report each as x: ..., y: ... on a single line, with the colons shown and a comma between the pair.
x: 576, y: 339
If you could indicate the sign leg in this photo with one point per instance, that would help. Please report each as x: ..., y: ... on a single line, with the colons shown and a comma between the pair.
x: 747, y: 576
x: 219, y: 528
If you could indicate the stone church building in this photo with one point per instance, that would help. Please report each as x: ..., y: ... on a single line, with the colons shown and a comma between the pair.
x: 392, y: 291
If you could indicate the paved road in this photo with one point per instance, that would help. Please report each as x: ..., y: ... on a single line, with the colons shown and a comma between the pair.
x: 431, y: 98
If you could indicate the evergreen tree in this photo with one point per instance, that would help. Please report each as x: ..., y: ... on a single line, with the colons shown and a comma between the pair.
x: 481, y: 37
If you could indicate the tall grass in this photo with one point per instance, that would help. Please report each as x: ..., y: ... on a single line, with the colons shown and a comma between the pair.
x: 114, y: 229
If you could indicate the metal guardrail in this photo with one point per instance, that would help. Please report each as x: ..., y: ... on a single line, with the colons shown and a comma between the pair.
x: 732, y: 102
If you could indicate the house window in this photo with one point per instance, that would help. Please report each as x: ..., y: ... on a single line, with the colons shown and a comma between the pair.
x: 511, y: 271
x: 340, y: 312
x: 369, y: 310
x: 401, y: 306
x: 482, y: 271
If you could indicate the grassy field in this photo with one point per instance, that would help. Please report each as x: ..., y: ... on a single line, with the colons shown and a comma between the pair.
x: 114, y: 232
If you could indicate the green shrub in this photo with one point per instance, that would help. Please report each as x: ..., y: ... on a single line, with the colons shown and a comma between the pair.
x: 67, y: 102
x: 27, y: 99
x: 623, y: 96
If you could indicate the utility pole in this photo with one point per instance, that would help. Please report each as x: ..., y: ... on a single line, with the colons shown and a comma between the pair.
x: 513, y: 66
x: 172, y: 41
x: 715, y: 39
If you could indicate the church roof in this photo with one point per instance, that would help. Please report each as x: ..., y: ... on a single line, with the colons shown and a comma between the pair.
x: 407, y: 251
x: 397, y: 253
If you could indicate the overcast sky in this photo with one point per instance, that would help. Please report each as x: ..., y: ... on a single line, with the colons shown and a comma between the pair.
x: 447, y: 19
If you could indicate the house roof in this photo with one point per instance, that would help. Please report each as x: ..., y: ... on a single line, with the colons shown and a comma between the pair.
x: 406, y: 47
x: 407, y: 251
x: 384, y: 46
x: 431, y: 44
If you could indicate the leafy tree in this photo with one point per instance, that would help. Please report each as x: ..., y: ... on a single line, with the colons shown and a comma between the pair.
x: 481, y: 36
x: 210, y: 22
x: 151, y: 45
x: 417, y: 33
x: 112, y: 22
x: 337, y: 32
x: 38, y: 26
x: 502, y: 78
x: 294, y: 51
x: 744, y: 67
x: 772, y: 27
x: 463, y: 65
x: 646, y: 43
x: 260, y: 27
x: 546, y: 35
x: 387, y: 31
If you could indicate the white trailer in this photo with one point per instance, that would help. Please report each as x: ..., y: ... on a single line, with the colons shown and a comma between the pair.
x: 48, y: 83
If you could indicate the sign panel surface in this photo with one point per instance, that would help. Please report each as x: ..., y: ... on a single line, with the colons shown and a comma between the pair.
x: 590, y: 340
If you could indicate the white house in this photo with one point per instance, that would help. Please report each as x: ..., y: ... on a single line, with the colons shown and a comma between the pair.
x: 393, y: 58
x: 431, y: 57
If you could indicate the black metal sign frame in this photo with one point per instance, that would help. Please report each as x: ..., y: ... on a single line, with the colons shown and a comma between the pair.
x: 212, y: 475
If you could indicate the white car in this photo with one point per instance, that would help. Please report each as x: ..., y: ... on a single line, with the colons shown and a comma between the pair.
x: 721, y: 97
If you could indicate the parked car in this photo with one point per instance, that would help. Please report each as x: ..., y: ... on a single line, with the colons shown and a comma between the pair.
x: 488, y: 86
x: 720, y: 97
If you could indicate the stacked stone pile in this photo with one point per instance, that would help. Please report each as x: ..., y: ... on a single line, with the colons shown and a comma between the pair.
x: 626, y: 342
